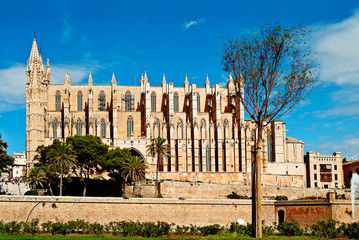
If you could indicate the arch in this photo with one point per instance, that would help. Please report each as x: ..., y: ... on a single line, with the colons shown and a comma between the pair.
x: 79, y: 127
x: 175, y: 102
x: 79, y: 101
x: 130, y: 126
x: 55, y: 125
x: 102, y: 101
x: 198, y: 102
x: 103, y: 128
x: 136, y: 152
x: 58, y: 101
x: 153, y: 102
x: 128, y: 99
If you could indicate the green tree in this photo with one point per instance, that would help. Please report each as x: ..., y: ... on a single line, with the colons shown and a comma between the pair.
x: 89, y: 151
x: 273, y: 71
x: 36, y: 177
x: 5, y: 160
x: 134, y: 170
x: 162, y: 149
x: 62, y: 155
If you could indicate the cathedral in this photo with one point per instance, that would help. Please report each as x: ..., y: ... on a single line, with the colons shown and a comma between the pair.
x: 209, y: 138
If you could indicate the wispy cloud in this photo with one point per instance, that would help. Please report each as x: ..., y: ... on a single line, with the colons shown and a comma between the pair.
x: 66, y: 29
x: 192, y: 23
x: 13, y: 82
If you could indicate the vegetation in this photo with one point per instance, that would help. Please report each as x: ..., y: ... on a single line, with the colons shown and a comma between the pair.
x: 62, y: 155
x: 5, y: 159
x: 323, y: 229
x: 162, y: 149
x: 134, y: 170
x: 273, y: 71
x: 36, y: 177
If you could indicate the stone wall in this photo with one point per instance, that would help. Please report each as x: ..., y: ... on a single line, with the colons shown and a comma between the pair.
x: 195, y: 190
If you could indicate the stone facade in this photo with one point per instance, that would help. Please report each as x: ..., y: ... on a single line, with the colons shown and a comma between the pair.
x: 349, y: 168
x: 19, y: 167
x: 210, y: 139
x: 324, y: 171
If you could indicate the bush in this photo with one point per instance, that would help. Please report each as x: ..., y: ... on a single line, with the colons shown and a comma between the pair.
x: 234, y: 195
x: 211, y: 229
x: 32, y: 192
x: 327, y: 229
x: 290, y: 229
x: 241, y: 229
x: 279, y: 198
x: 351, y: 230
x: 138, y: 195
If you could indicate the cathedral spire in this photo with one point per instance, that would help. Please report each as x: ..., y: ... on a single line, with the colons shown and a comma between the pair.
x: 90, y: 81
x: 163, y: 80
x: 113, y: 80
x: 34, y: 54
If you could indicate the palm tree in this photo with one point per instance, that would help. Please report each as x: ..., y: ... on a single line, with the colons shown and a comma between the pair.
x: 162, y: 149
x: 134, y: 170
x: 61, y: 155
x: 36, y: 177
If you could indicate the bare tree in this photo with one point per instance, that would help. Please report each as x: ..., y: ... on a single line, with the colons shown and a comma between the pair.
x: 273, y: 70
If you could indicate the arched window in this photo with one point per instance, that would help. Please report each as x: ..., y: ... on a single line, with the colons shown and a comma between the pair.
x: 175, y: 102
x: 102, y: 101
x: 180, y: 129
x: 130, y: 127
x: 58, y: 101
x: 198, y: 103
x: 208, y: 160
x: 103, y: 129
x: 78, y: 127
x: 79, y: 101
x: 54, y: 128
x: 153, y: 102
x: 128, y: 101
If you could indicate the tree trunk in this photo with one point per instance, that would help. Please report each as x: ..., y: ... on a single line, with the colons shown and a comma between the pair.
x: 61, y: 179
x: 50, y: 188
x: 85, y: 188
x: 134, y: 190
x: 256, y: 187
x: 156, y: 182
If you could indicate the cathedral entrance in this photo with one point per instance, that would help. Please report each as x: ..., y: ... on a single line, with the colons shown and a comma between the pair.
x: 135, y: 152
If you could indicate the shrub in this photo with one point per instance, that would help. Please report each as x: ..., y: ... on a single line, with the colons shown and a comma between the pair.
x: 211, y: 229
x: 234, y: 195
x: 279, y: 198
x: 159, y: 196
x: 329, y: 228
x: 138, y: 195
x: 290, y: 229
x: 241, y: 229
x: 351, y: 230
x: 31, y: 192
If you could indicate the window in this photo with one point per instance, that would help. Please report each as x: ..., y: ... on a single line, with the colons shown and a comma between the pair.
x: 325, y: 167
x: 103, y: 129
x: 79, y: 101
x: 315, y: 166
x: 357, y: 170
x: 350, y: 174
x: 269, y: 147
x: 315, y: 184
x: 198, y: 103
x: 153, y: 102
x: 128, y: 101
x: 58, y: 101
x: 335, y: 167
x: 175, y: 100
x: 130, y: 127
x: 315, y: 176
x: 79, y: 127
x: 102, y: 101
x: 336, y: 177
x: 55, y: 125
x: 325, y: 177
x: 208, y: 160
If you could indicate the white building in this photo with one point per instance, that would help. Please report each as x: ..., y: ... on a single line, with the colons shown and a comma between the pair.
x: 19, y: 167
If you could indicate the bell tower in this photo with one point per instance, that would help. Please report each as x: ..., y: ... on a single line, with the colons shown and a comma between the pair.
x: 36, y: 99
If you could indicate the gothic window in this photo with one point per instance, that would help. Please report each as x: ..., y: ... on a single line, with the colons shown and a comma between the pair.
x: 180, y: 129
x: 79, y: 101
x: 58, y: 101
x: 175, y: 104
x: 54, y: 128
x: 130, y: 127
x: 78, y: 127
x: 153, y: 102
x: 208, y: 160
x: 101, y: 101
x: 198, y: 103
x: 103, y: 129
x: 128, y: 101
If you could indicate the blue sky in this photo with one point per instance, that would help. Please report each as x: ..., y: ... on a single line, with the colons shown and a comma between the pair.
x: 178, y: 38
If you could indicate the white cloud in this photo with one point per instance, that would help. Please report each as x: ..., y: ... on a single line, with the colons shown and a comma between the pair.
x: 13, y: 83
x: 66, y: 29
x: 337, y: 45
x: 191, y: 23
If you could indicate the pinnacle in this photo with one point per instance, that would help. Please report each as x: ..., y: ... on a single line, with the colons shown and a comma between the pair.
x: 34, y: 54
